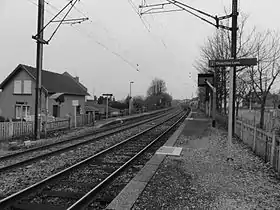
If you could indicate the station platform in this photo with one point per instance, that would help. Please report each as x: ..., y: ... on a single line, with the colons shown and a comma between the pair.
x: 191, y: 171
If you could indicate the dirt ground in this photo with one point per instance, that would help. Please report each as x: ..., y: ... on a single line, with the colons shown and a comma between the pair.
x: 202, y: 178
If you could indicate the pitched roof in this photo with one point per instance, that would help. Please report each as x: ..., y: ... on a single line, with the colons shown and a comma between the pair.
x: 51, y: 81
x: 75, y: 79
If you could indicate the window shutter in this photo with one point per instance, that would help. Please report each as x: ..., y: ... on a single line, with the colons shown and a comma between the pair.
x: 27, y: 87
x: 17, y: 86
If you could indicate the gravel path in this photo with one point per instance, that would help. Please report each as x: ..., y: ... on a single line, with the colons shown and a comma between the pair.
x: 202, y: 179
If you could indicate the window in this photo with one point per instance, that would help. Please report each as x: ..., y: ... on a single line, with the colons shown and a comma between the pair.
x: 27, y: 86
x: 17, y: 87
x: 22, y: 111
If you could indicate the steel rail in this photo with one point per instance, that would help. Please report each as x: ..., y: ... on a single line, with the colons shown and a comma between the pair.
x: 63, y: 149
x: 10, y: 200
x: 97, y: 131
x: 87, y: 198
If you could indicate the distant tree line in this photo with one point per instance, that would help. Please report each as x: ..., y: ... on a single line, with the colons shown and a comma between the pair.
x: 157, y: 97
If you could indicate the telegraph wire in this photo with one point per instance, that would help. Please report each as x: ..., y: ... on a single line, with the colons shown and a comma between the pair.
x: 136, y: 11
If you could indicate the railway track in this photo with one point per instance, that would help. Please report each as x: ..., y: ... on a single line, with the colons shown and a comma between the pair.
x: 74, y: 187
x: 89, y: 133
x: 22, y: 158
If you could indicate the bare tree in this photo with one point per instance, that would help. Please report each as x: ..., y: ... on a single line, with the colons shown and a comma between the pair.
x: 157, y: 87
x: 218, y: 46
x: 264, y: 75
x: 243, y: 87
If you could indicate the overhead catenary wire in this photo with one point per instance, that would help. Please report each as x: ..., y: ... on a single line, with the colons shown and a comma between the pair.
x: 154, y: 36
x: 91, y: 36
x: 104, y: 46
x: 115, y: 53
x: 136, y: 11
x: 103, y: 27
x: 72, y: 5
x: 97, y: 42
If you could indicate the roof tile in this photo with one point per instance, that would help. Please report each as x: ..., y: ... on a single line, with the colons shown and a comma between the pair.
x: 57, y: 83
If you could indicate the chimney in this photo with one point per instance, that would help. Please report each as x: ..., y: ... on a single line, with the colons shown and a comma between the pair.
x: 77, y: 79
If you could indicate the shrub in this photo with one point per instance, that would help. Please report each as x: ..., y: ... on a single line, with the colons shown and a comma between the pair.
x: 15, y: 120
x: 2, y: 119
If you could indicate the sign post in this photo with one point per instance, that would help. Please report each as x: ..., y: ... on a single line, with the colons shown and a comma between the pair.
x: 230, y: 117
x: 75, y: 103
x: 232, y: 63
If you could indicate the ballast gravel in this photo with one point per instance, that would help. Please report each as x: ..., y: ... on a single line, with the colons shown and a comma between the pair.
x: 201, y: 178
x: 20, y: 178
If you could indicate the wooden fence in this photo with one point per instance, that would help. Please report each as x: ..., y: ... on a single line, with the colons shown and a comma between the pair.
x: 10, y: 130
x: 81, y: 120
x: 271, y: 122
x: 264, y: 144
x: 14, y: 129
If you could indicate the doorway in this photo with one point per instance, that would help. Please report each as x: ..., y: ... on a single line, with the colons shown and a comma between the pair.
x: 56, y: 110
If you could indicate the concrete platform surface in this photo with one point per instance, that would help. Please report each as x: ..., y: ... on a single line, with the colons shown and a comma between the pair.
x: 128, y: 196
x: 167, y: 150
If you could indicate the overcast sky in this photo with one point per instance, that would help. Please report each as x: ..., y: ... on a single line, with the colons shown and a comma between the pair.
x: 168, y: 51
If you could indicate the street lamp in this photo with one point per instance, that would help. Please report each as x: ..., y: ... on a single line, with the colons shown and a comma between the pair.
x: 129, y: 103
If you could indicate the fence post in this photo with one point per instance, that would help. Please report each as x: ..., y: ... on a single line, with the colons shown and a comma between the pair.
x: 45, y: 128
x: 69, y: 122
x: 11, y: 128
x: 278, y: 159
x: 254, y: 138
x: 272, y: 148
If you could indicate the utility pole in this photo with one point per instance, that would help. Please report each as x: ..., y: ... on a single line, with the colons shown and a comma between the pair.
x: 233, y: 55
x: 147, y: 9
x: 39, y: 57
x: 39, y: 64
x: 232, y: 83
